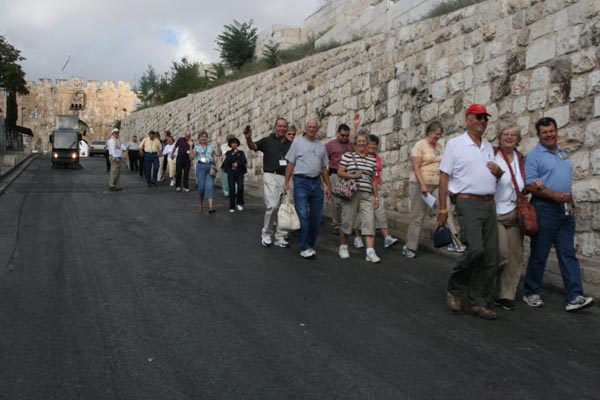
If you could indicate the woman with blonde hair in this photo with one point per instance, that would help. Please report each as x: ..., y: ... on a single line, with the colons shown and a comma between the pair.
x: 204, y: 158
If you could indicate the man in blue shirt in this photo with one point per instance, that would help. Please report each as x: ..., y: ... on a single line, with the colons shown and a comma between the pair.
x: 554, y: 206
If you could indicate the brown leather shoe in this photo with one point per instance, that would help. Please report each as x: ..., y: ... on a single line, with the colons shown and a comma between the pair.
x: 453, y: 302
x: 483, y: 312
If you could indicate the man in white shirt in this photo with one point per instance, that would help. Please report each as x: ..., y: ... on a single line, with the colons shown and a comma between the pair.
x: 115, y: 154
x: 468, y: 172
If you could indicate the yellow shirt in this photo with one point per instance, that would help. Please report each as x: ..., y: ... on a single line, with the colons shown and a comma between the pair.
x: 430, y: 162
x: 150, y: 146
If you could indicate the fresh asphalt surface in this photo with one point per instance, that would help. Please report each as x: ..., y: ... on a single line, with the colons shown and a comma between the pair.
x: 134, y: 295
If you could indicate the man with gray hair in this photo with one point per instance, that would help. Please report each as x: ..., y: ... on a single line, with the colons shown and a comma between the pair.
x: 307, y: 162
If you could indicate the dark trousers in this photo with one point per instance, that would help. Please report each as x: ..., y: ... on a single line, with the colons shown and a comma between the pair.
x: 476, y: 269
x: 107, y: 158
x: 133, y: 160
x: 151, y: 164
x: 141, y: 164
x: 236, y: 189
x: 182, y: 166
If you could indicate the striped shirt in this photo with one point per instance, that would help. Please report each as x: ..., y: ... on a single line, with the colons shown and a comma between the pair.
x: 352, y: 162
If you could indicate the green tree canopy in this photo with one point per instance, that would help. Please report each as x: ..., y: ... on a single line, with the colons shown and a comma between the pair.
x: 237, y: 43
x: 12, y: 77
x: 271, y: 54
x: 149, y: 91
x: 185, y: 78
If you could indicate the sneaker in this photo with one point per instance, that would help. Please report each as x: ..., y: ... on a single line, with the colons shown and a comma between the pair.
x: 335, y: 230
x: 266, y: 240
x: 372, y: 257
x: 186, y: 189
x: 308, y: 253
x: 533, y: 300
x: 579, y: 302
x: 178, y: 189
x: 453, y: 302
x: 507, y: 304
x: 388, y: 241
x: 172, y: 182
x: 483, y: 312
x: 457, y: 249
x: 281, y: 243
x: 358, y: 242
x: 231, y: 210
x: 240, y: 208
x: 408, y: 253
x: 343, y: 252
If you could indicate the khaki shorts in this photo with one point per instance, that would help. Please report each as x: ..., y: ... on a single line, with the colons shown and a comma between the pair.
x: 380, y: 218
x: 360, y: 206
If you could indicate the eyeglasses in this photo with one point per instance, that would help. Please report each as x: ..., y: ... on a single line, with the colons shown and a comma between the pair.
x: 481, y: 117
x: 342, y: 135
x: 291, y: 134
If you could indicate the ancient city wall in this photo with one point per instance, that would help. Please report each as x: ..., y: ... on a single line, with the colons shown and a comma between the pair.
x: 522, y: 59
x: 99, y: 105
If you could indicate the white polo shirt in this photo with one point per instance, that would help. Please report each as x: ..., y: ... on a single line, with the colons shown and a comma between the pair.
x: 465, y: 163
x: 506, y: 197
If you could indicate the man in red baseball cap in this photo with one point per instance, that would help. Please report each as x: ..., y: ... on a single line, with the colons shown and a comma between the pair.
x: 468, y: 173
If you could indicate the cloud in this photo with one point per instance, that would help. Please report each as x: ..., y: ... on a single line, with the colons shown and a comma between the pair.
x: 116, y: 39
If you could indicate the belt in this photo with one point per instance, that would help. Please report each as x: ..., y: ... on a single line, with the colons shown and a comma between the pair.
x: 485, y: 197
x: 310, y: 178
x: 275, y: 172
x: 153, y: 152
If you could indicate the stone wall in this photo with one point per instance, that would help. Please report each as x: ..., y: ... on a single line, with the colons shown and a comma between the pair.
x: 522, y: 59
x: 101, y: 104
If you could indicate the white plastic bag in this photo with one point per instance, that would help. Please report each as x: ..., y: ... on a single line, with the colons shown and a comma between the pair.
x: 287, y: 218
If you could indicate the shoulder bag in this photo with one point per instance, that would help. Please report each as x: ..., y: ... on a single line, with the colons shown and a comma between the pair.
x: 345, y: 188
x: 525, y: 210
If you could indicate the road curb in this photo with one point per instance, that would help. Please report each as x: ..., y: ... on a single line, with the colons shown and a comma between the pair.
x: 10, y: 176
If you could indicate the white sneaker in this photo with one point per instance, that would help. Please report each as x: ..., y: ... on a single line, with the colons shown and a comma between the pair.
x: 281, y: 243
x: 172, y: 182
x: 231, y: 210
x: 408, y: 253
x: 533, y: 300
x: 388, y: 241
x: 579, y: 302
x: 308, y: 253
x: 358, y: 242
x: 372, y: 257
x: 457, y: 249
x: 186, y: 189
x: 343, y: 252
x: 266, y: 240
x: 240, y: 208
x: 178, y: 189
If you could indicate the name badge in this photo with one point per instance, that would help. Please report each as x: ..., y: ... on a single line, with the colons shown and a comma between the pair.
x: 282, y: 163
x: 203, y: 159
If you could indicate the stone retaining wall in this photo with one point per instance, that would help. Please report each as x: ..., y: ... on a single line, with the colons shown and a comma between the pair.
x: 522, y: 59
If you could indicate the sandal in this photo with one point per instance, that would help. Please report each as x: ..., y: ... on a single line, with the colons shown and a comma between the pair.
x: 212, y: 211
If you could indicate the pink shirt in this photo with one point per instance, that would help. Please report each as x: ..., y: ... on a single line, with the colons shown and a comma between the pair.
x: 335, y: 151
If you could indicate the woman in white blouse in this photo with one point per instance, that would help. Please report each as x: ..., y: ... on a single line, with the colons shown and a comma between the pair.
x: 510, y: 236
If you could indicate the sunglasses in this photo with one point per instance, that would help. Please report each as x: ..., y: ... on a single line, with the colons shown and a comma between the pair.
x: 481, y: 117
x: 344, y: 135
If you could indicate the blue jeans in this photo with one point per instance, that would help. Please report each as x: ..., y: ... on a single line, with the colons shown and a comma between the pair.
x: 225, y: 182
x: 308, y: 199
x: 151, y: 168
x: 204, y: 180
x: 554, y: 228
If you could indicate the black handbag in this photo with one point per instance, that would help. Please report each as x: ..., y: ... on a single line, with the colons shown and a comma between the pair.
x: 441, y: 237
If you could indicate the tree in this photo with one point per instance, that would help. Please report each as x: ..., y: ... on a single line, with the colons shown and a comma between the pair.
x: 217, y: 72
x: 237, y: 43
x: 185, y: 78
x: 271, y: 54
x: 149, y: 87
x: 12, y: 77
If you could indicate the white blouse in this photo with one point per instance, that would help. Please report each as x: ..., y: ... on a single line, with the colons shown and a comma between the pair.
x: 506, y: 197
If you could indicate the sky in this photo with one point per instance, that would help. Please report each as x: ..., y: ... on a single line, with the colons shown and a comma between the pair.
x: 117, y: 39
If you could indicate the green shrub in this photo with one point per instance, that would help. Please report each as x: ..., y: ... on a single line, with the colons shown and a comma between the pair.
x: 447, y: 6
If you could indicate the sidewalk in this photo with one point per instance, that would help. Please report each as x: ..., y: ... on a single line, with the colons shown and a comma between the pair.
x: 12, y: 163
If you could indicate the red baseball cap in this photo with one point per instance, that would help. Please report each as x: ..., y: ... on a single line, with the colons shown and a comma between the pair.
x: 477, y: 109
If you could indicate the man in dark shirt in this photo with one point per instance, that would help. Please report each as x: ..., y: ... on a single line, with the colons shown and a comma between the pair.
x: 274, y: 148
x: 182, y: 162
x: 336, y: 148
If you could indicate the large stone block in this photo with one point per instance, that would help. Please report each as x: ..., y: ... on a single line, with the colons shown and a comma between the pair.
x: 597, y: 106
x: 592, y: 134
x: 540, y: 78
x: 581, y: 164
x: 537, y: 100
x: 595, y: 162
x: 578, y: 88
x: 587, y: 190
x: 594, y: 82
x: 439, y: 90
x: 483, y: 94
x: 540, y: 51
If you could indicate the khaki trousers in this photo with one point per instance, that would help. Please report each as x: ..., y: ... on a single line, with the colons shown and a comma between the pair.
x: 418, y: 212
x: 273, y: 186
x: 115, y: 172
x: 510, y: 249
x: 336, y: 204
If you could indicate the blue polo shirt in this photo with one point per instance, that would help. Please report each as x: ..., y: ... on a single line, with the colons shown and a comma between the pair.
x: 554, y: 169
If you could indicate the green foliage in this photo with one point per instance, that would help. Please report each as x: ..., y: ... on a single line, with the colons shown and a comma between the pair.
x: 149, y: 90
x: 12, y: 110
x: 447, y: 6
x: 217, y: 72
x: 271, y: 55
x: 237, y: 43
x: 185, y: 79
x: 12, y: 77
x: 305, y: 49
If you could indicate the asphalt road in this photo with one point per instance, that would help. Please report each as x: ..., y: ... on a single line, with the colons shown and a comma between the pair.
x: 133, y: 295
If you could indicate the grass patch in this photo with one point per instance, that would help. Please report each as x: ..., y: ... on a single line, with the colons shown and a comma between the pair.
x: 447, y: 6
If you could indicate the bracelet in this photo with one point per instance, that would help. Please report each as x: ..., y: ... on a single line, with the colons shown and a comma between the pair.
x: 443, y: 211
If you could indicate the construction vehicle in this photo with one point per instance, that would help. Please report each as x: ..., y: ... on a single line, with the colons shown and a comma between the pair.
x: 65, y: 142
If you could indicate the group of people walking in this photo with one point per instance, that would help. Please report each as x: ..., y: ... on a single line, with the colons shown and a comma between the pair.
x: 470, y: 178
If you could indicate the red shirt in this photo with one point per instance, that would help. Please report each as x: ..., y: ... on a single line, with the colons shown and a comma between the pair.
x: 335, y: 151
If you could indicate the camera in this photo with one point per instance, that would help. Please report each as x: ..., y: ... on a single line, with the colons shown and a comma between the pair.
x: 247, y: 129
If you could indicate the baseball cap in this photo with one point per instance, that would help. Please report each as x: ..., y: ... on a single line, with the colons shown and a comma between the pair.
x: 115, y: 130
x: 477, y: 109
